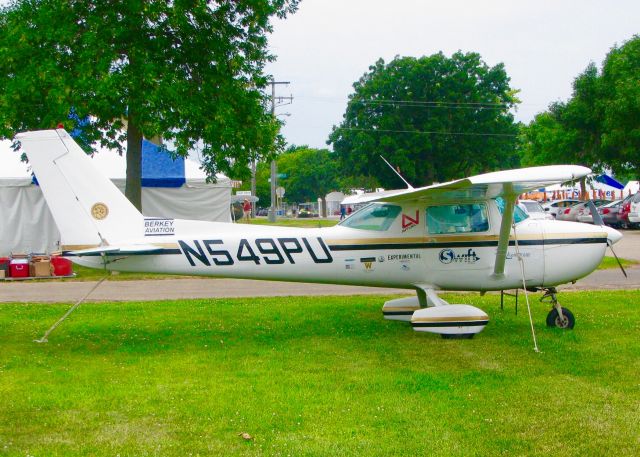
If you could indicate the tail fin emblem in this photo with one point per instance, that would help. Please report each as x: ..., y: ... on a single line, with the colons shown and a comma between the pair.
x: 99, y: 211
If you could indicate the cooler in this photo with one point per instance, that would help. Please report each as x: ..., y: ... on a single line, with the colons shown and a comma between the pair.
x: 19, y: 268
x: 4, y: 267
x: 61, y: 266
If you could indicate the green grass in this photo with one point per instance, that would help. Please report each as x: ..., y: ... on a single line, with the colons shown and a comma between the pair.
x: 610, y: 262
x: 317, y: 376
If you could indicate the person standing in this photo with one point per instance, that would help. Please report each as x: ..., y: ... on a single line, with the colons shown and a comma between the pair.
x: 246, y: 209
x: 343, y: 212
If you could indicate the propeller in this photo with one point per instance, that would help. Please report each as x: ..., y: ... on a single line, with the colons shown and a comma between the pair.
x: 597, y: 220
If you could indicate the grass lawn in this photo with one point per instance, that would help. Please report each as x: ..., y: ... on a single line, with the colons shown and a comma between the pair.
x: 610, y: 262
x: 317, y: 376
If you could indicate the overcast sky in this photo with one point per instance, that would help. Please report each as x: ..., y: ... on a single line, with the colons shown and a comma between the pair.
x: 544, y: 44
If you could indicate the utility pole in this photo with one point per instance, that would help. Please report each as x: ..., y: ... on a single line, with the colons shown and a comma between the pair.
x: 253, y: 187
x: 274, y: 170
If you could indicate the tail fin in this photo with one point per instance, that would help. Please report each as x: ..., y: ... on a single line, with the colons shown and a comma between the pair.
x: 87, y: 207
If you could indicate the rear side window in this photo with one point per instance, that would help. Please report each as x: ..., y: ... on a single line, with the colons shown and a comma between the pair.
x: 468, y: 218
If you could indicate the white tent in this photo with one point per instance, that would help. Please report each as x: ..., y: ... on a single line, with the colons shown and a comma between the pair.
x: 26, y: 225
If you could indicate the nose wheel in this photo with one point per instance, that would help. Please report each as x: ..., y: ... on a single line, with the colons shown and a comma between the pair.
x: 559, y: 316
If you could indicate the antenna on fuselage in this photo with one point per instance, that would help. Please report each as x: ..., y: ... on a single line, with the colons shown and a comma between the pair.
x: 397, y: 172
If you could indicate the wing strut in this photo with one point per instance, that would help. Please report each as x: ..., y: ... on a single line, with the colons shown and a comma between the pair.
x: 505, y: 230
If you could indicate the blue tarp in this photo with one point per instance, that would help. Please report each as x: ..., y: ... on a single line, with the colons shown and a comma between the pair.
x: 609, y: 181
x: 159, y: 169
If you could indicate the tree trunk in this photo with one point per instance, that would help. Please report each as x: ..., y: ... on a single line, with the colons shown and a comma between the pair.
x: 323, y: 206
x: 133, y: 186
x: 583, y: 189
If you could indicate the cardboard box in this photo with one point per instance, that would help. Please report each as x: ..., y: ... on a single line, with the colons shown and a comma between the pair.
x: 40, y: 269
x: 2, y: 274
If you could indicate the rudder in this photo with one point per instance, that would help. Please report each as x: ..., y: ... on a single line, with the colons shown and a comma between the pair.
x: 88, y: 208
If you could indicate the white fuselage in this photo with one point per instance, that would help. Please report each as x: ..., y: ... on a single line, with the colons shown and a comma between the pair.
x: 405, y: 255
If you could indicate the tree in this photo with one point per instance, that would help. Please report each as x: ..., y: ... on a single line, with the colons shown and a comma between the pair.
x: 569, y: 132
x: 310, y: 174
x: 599, y: 126
x: 621, y: 107
x: 435, y: 118
x: 190, y: 72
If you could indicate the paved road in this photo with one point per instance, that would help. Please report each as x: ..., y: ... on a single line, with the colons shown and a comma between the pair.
x: 29, y: 292
x: 629, y: 246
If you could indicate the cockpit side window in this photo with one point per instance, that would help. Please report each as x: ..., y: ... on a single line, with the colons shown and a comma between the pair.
x: 518, y: 214
x: 376, y: 216
x: 464, y: 218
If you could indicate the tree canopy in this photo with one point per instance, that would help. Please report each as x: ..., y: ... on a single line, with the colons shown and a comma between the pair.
x: 599, y: 126
x: 435, y: 118
x: 190, y: 72
x: 309, y: 174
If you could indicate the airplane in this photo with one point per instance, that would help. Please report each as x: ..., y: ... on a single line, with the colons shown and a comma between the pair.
x: 463, y: 235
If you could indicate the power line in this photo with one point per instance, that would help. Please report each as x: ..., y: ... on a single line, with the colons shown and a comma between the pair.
x: 420, y: 132
x: 428, y: 103
x: 433, y: 102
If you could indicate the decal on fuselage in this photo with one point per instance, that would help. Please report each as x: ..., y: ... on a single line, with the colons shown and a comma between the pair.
x: 410, y: 222
x: 448, y: 256
x: 159, y: 227
x: 368, y: 263
x: 403, y: 257
x: 267, y: 251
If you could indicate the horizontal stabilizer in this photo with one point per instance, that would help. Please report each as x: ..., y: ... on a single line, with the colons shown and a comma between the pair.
x: 133, y: 249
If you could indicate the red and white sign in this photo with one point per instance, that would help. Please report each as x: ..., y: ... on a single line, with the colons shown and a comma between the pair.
x: 409, y: 222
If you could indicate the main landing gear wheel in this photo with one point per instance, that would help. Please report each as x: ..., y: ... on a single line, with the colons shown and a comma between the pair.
x: 558, y: 316
x: 567, y: 321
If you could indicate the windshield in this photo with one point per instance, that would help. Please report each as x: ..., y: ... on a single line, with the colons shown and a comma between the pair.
x: 518, y: 215
x: 376, y: 216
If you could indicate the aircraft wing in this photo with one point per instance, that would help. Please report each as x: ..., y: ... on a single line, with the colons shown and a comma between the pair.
x: 489, y: 185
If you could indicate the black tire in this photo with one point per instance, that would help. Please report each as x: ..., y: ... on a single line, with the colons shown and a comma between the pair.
x: 457, y: 336
x: 553, y: 319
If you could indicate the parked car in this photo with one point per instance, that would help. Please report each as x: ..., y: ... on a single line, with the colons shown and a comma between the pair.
x: 534, y: 209
x: 585, y: 216
x: 625, y: 209
x: 634, y: 210
x: 609, y: 213
x: 572, y: 213
x: 554, y: 206
x: 305, y: 213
